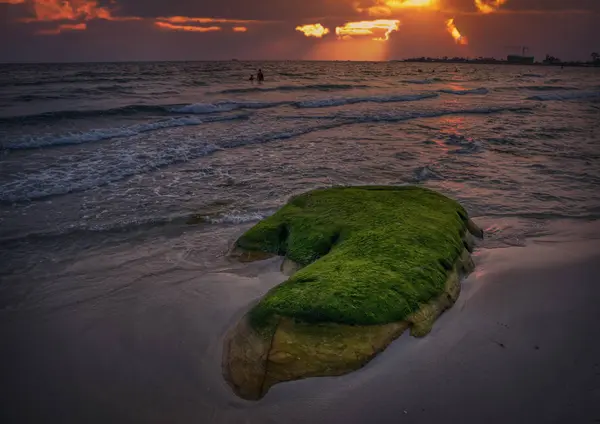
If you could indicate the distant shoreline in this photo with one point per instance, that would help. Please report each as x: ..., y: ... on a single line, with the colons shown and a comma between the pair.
x: 499, y: 62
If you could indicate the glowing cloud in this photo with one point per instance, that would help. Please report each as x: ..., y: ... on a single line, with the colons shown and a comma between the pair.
x: 240, y: 29
x: 12, y: 1
x: 399, y: 4
x: 63, y: 28
x: 313, y: 30
x: 189, y: 28
x: 67, y: 10
x: 455, y: 33
x: 489, y: 6
x: 387, y: 7
x: 363, y: 28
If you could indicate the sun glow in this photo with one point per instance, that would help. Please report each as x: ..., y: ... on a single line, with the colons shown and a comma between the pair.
x: 365, y: 28
x: 313, y: 30
x: 455, y: 33
x: 387, y: 7
x: 489, y: 6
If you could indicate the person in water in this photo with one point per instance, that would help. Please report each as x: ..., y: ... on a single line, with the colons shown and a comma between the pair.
x: 251, y: 79
x: 260, y: 77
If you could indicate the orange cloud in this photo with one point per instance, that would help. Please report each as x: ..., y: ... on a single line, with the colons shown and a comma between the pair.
x: 387, y: 7
x: 170, y: 27
x: 67, y: 10
x: 489, y: 6
x: 240, y: 29
x: 313, y: 30
x: 363, y: 28
x: 455, y: 33
x: 62, y: 28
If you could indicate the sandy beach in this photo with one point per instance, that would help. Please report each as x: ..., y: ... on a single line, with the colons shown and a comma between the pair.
x: 520, y: 345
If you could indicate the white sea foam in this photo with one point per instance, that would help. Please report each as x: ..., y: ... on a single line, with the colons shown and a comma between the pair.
x: 228, y: 106
x: 97, y: 170
x: 143, y: 155
x: 32, y: 142
x: 236, y: 217
x: 223, y: 106
x: 425, y: 173
x: 342, y: 101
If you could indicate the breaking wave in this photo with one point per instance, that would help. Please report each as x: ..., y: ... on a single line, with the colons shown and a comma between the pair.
x: 536, y: 88
x: 465, y: 92
x: 423, y: 81
x: 284, y: 88
x: 129, y: 159
x: 127, y: 224
x: 425, y: 173
x: 236, y: 217
x: 224, y: 106
x: 342, y: 101
x: 34, y: 142
x: 76, y: 114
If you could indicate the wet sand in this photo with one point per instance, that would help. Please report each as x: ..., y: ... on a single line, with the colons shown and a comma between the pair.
x: 520, y: 345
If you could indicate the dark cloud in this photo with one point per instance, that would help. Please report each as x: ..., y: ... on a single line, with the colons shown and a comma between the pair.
x: 239, y: 9
x: 567, y: 35
x: 554, y: 5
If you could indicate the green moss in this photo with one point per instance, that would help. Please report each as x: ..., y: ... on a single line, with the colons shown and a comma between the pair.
x: 372, y: 255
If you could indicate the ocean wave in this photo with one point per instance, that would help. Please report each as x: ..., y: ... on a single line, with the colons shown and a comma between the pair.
x: 424, y: 173
x: 579, y: 95
x: 119, y: 226
x: 29, y: 142
x: 536, y: 88
x: 228, y: 106
x: 54, y: 81
x: 465, y: 92
x: 236, y: 217
x: 132, y: 224
x: 74, y: 114
x: 342, y: 101
x: 532, y: 75
x: 422, y: 82
x: 311, y: 87
x: 126, y: 160
x: 94, y: 172
x: 75, y: 93
x: 399, y: 117
x: 464, y: 145
x: 26, y: 98
x: 209, y: 108
x: 223, y: 106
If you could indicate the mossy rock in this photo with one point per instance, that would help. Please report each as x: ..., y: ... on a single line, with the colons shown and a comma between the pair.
x: 366, y: 264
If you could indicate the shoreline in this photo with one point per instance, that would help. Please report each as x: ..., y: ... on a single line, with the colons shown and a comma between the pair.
x: 500, y: 62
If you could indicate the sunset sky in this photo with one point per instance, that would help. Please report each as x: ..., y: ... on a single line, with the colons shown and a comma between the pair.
x: 120, y: 30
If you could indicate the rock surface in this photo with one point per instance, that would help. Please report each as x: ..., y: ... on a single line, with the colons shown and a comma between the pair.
x: 282, y: 346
